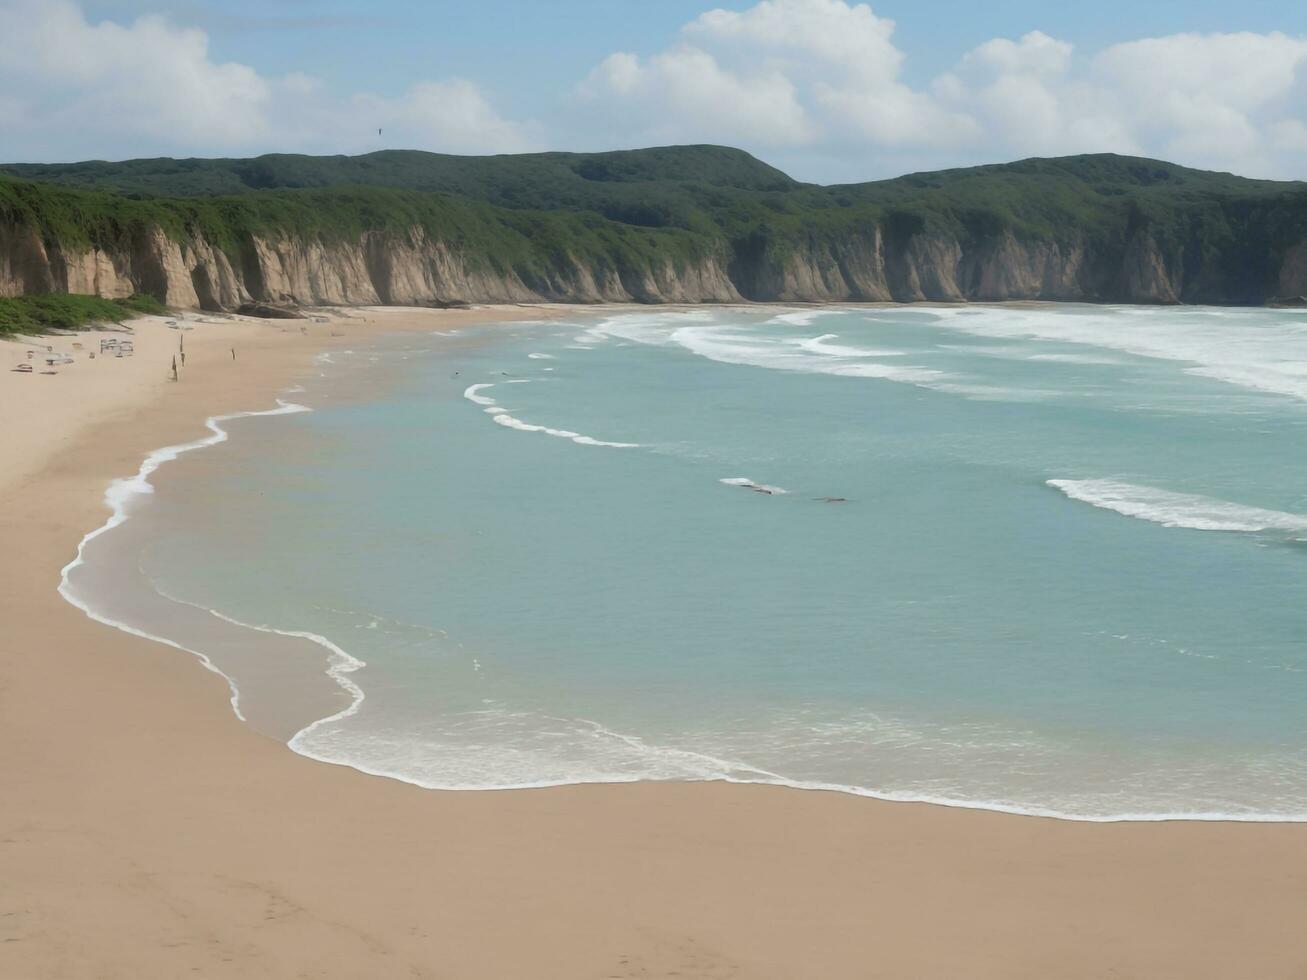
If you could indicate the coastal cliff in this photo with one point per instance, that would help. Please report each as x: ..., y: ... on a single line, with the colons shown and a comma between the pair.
x: 673, y: 225
x: 415, y: 268
x: 406, y: 269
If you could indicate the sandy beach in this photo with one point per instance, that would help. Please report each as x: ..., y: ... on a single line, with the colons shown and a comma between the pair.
x: 146, y: 833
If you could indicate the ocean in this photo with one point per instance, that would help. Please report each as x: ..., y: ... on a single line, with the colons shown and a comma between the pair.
x: 1046, y: 559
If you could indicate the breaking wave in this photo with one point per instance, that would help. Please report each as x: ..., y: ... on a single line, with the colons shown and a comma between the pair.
x: 1172, y: 509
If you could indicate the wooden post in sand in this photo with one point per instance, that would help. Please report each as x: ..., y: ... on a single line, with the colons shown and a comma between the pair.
x: 174, y: 367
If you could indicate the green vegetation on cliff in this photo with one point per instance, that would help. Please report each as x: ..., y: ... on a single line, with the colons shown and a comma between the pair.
x: 534, y: 180
x: 39, y: 313
x: 627, y: 212
x: 523, y: 240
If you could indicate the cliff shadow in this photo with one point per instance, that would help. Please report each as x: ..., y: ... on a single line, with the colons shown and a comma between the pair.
x: 204, y: 291
x: 251, y: 271
x: 376, y: 256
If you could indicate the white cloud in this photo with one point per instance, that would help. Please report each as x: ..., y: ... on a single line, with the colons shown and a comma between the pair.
x: 452, y: 116
x: 834, y: 78
x: 76, y: 89
x: 1036, y: 55
x: 149, y: 80
x: 781, y: 73
x: 1243, y: 72
x: 1017, y: 94
x: 1215, y: 100
x: 827, y: 34
x: 685, y: 95
x: 819, y: 85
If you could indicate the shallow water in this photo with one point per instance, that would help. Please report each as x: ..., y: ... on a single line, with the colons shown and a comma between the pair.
x: 1045, y: 559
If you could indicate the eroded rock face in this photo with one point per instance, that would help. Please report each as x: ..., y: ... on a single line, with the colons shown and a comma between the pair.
x: 1013, y: 269
x: 1293, y: 272
x: 1147, y: 275
x: 417, y: 268
x: 25, y: 266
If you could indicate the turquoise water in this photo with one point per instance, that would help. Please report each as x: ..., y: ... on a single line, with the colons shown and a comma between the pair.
x: 1063, y: 569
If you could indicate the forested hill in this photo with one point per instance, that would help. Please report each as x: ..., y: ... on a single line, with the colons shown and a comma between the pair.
x: 687, y: 224
x: 537, y: 180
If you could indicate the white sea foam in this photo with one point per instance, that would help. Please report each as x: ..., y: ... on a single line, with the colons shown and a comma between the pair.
x: 340, y: 663
x: 1267, y: 351
x: 700, y: 334
x: 744, y: 481
x: 588, y: 441
x: 651, y: 329
x: 502, y: 417
x: 470, y: 393
x: 119, y: 496
x: 823, y: 345
x: 512, y: 750
x: 509, y: 421
x: 1259, y: 350
x: 801, y: 318
x: 540, y: 357
x: 1172, y: 509
x: 498, y: 748
x: 729, y: 346
x: 1074, y: 359
x: 1030, y: 352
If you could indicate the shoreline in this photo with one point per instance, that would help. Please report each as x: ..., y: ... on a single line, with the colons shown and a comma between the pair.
x: 166, y: 753
x: 339, y: 663
x: 118, y: 496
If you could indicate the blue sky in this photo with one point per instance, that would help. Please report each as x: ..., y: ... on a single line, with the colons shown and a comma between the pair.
x: 549, y: 42
x: 828, y: 89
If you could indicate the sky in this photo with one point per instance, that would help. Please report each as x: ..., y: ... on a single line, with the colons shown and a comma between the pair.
x: 828, y: 90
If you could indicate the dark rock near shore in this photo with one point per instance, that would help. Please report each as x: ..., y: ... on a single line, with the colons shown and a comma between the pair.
x: 269, y: 312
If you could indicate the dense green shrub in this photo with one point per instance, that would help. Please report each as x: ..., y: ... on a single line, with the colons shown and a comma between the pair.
x: 38, y: 313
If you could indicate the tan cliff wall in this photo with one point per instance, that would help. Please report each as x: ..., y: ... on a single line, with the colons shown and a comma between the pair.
x: 415, y: 268
x: 411, y: 269
x: 942, y: 268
